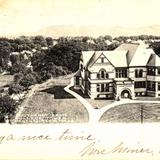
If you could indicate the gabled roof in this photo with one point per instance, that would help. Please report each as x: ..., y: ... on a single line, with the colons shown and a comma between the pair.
x: 94, y: 57
x: 86, y: 56
x: 112, y: 58
x: 131, y: 48
x: 154, y: 60
x: 141, y: 57
x: 125, y: 55
x: 117, y: 58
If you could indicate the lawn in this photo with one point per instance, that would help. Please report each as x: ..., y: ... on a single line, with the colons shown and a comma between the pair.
x: 51, y: 104
x: 130, y: 113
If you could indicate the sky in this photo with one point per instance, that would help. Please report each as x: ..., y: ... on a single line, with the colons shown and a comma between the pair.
x: 23, y: 16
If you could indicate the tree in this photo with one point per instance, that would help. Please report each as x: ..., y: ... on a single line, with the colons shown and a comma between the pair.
x: 108, y: 37
x: 18, y: 77
x: 40, y: 40
x: 7, y: 107
x: 28, y: 80
x: 49, y: 41
x: 5, y: 49
x: 14, y: 58
x: 18, y: 67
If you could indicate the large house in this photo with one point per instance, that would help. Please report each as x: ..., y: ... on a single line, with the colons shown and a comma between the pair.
x: 129, y: 71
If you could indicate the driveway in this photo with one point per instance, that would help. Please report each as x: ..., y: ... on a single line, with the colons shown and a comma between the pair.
x: 96, y: 114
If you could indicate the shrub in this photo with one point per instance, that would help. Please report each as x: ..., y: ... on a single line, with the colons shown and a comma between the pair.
x: 15, y: 88
x: 28, y: 80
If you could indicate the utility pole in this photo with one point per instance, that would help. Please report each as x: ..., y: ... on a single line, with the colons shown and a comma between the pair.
x: 141, y: 113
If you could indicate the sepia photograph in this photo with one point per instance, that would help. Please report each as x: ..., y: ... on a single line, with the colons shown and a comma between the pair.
x: 80, y: 62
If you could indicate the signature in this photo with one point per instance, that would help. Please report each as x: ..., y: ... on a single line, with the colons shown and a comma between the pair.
x: 93, y: 150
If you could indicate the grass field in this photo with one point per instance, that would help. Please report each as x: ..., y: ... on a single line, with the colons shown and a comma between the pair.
x: 130, y: 113
x: 51, y: 104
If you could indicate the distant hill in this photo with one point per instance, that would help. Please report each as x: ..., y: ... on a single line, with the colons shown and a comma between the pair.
x: 95, y: 31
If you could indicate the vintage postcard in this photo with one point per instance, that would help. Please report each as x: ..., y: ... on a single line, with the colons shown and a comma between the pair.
x: 79, y: 79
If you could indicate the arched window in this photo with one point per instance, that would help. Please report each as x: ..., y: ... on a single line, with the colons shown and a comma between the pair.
x: 102, y: 74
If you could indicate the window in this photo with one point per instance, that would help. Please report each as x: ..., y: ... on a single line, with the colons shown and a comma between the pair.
x: 107, y: 87
x: 141, y: 73
x: 98, y: 75
x: 138, y: 73
x: 77, y: 80
x: 89, y: 86
x: 158, y: 70
x: 150, y: 86
x: 103, y: 87
x: 102, y: 60
x: 158, y: 86
x: 98, y: 88
x: 140, y: 84
x: 121, y: 73
x: 151, y: 71
x: 107, y: 76
x: 102, y: 74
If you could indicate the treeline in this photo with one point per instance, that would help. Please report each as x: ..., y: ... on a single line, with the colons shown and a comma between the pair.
x: 35, y: 59
x: 48, y: 56
x: 136, y: 38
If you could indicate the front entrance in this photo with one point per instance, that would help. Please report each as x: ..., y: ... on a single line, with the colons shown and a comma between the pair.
x: 125, y: 94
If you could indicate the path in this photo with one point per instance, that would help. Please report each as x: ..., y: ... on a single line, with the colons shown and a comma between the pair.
x: 95, y: 114
x: 34, y: 88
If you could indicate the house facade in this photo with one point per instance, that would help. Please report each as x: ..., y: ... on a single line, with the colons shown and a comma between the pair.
x: 129, y: 71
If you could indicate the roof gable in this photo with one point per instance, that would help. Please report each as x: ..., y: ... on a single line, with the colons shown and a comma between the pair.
x: 131, y: 48
x: 117, y: 58
x: 141, y: 57
x: 154, y: 60
x: 99, y: 59
x: 86, y: 56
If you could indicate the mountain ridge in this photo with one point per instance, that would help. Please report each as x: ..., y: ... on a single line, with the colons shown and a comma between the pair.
x: 95, y: 31
x: 56, y: 31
